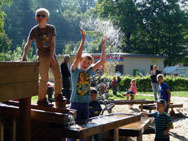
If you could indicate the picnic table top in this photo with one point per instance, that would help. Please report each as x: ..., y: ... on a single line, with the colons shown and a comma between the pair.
x: 136, y: 128
x: 100, y: 124
x: 139, y: 101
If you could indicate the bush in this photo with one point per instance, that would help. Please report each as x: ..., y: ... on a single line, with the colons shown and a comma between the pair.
x: 144, y: 83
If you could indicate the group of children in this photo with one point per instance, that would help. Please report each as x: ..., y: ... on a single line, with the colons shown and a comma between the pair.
x: 82, y: 68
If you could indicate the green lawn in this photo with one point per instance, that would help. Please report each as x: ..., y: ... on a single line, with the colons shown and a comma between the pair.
x: 34, y: 99
x: 174, y: 93
x: 120, y: 95
x: 140, y: 96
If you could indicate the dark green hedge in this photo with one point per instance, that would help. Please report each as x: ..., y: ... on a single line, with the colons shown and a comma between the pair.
x: 144, y: 83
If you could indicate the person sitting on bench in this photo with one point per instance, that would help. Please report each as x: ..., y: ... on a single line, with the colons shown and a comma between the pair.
x: 132, y: 90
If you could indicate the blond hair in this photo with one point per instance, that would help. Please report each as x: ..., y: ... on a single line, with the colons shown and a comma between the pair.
x: 47, y: 13
x: 88, y: 56
x: 160, y: 75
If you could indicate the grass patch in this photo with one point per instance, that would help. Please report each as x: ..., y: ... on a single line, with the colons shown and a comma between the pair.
x: 34, y: 99
x: 121, y: 97
x: 174, y: 93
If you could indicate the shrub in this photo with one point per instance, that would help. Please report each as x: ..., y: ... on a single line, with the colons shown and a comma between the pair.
x: 143, y: 83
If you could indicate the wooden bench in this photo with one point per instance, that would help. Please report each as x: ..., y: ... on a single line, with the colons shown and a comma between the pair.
x: 140, y: 101
x: 135, y: 129
x: 153, y: 107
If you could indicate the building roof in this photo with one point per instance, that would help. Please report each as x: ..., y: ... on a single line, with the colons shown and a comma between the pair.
x: 129, y: 55
x: 132, y: 55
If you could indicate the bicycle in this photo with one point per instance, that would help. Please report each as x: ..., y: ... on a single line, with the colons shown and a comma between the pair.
x: 103, y: 89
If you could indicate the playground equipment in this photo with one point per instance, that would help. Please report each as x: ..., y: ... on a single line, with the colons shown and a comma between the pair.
x: 103, y: 89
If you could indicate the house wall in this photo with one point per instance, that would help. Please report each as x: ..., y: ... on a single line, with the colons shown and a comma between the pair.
x: 141, y: 64
x: 129, y: 63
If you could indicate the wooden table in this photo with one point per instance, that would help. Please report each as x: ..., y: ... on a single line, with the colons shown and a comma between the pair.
x: 140, y: 101
x: 135, y: 129
x: 99, y: 125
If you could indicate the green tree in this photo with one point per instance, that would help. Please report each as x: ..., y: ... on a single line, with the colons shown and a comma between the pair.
x: 4, y: 40
x: 124, y: 14
x: 162, y: 30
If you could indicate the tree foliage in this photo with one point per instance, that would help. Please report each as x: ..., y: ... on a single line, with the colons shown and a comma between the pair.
x: 158, y: 27
x: 150, y: 26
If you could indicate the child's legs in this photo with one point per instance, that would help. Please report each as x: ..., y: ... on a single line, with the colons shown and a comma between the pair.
x: 82, y: 110
x: 114, y: 91
x: 66, y: 87
x: 132, y: 96
x: 127, y: 96
x: 44, y: 65
x: 57, y: 78
x: 155, y: 88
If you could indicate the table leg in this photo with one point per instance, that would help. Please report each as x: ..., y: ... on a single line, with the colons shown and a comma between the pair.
x: 14, y: 130
x: 116, y: 134
x: 126, y: 138
x: 1, y: 131
x: 141, y: 108
x: 139, y: 138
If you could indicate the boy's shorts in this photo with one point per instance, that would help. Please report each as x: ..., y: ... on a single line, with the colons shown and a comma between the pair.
x: 82, y: 110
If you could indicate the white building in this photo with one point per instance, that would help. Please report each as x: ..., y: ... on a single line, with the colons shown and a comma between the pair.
x: 127, y: 63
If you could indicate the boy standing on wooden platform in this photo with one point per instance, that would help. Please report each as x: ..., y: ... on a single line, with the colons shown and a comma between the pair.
x: 44, y: 35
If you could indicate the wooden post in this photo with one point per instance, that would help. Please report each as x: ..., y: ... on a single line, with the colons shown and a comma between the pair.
x: 139, y: 138
x: 24, y: 119
x: 127, y: 138
x: 1, y: 131
x: 116, y: 134
x: 141, y: 108
x: 14, y: 130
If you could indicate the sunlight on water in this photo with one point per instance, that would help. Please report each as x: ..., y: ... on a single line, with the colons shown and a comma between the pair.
x: 114, y: 37
x: 106, y: 28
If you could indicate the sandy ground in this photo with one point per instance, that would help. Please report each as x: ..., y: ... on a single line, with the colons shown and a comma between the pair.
x: 180, y: 120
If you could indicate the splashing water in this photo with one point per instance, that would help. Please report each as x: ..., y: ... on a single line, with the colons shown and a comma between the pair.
x: 114, y: 38
x: 106, y: 28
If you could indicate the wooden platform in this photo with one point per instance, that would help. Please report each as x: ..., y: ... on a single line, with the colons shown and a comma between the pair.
x: 18, y: 80
x: 135, y: 129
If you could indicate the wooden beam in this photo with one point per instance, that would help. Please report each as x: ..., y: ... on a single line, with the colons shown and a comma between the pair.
x: 40, y: 115
x: 141, y: 101
x: 1, y: 131
x: 24, y: 123
x: 18, y: 90
x: 48, y: 109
